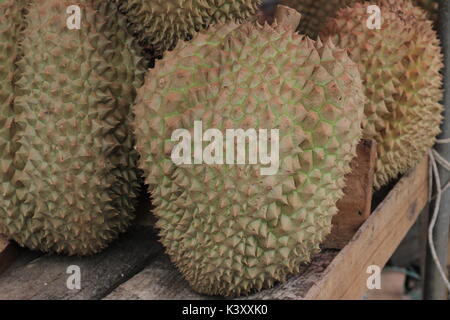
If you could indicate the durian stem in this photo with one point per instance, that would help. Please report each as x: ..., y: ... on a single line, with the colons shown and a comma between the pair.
x: 271, y: 12
x: 287, y: 17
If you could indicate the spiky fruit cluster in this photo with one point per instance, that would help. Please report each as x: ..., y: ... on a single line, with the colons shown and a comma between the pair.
x: 229, y: 229
x: 315, y: 13
x: 75, y: 182
x: 400, y: 65
x: 159, y: 24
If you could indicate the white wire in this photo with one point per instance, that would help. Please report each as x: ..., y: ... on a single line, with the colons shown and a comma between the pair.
x: 436, y: 158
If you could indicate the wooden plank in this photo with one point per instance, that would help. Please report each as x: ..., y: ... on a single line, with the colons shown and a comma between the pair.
x: 9, y: 251
x: 160, y: 280
x: 377, y: 239
x: 299, y: 285
x: 356, y: 205
x: 46, y: 277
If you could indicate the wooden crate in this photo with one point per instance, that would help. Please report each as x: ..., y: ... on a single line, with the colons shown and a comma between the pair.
x: 135, y: 267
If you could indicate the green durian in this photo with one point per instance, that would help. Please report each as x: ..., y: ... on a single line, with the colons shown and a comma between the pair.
x: 159, y: 24
x: 229, y: 229
x: 76, y: 181
x: 400, y: 65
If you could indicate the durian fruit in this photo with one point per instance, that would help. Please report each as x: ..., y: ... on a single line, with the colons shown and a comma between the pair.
x: 228, y: 228
x: 400, y: 65
x: 11, y: 26
x: 431, y: 6
x: 159, y: 24
x: 315, y: 13
x: 76, y: 179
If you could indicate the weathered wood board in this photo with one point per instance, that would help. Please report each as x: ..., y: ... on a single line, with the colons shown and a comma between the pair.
x: 355, y: 207
x: 332, y: 274
x: 158, y: 281
x: 376, y: 240
x: 161, y: 281
x: 46, y: 277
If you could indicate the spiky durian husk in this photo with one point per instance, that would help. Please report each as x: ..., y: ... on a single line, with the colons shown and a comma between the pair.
x: 229, y: 229
x: 77, y: 181
x: 315, y: 13
x: 11, y: 25
x: 431, y: 6
x: 400, y: 65
x: 159, y: 24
